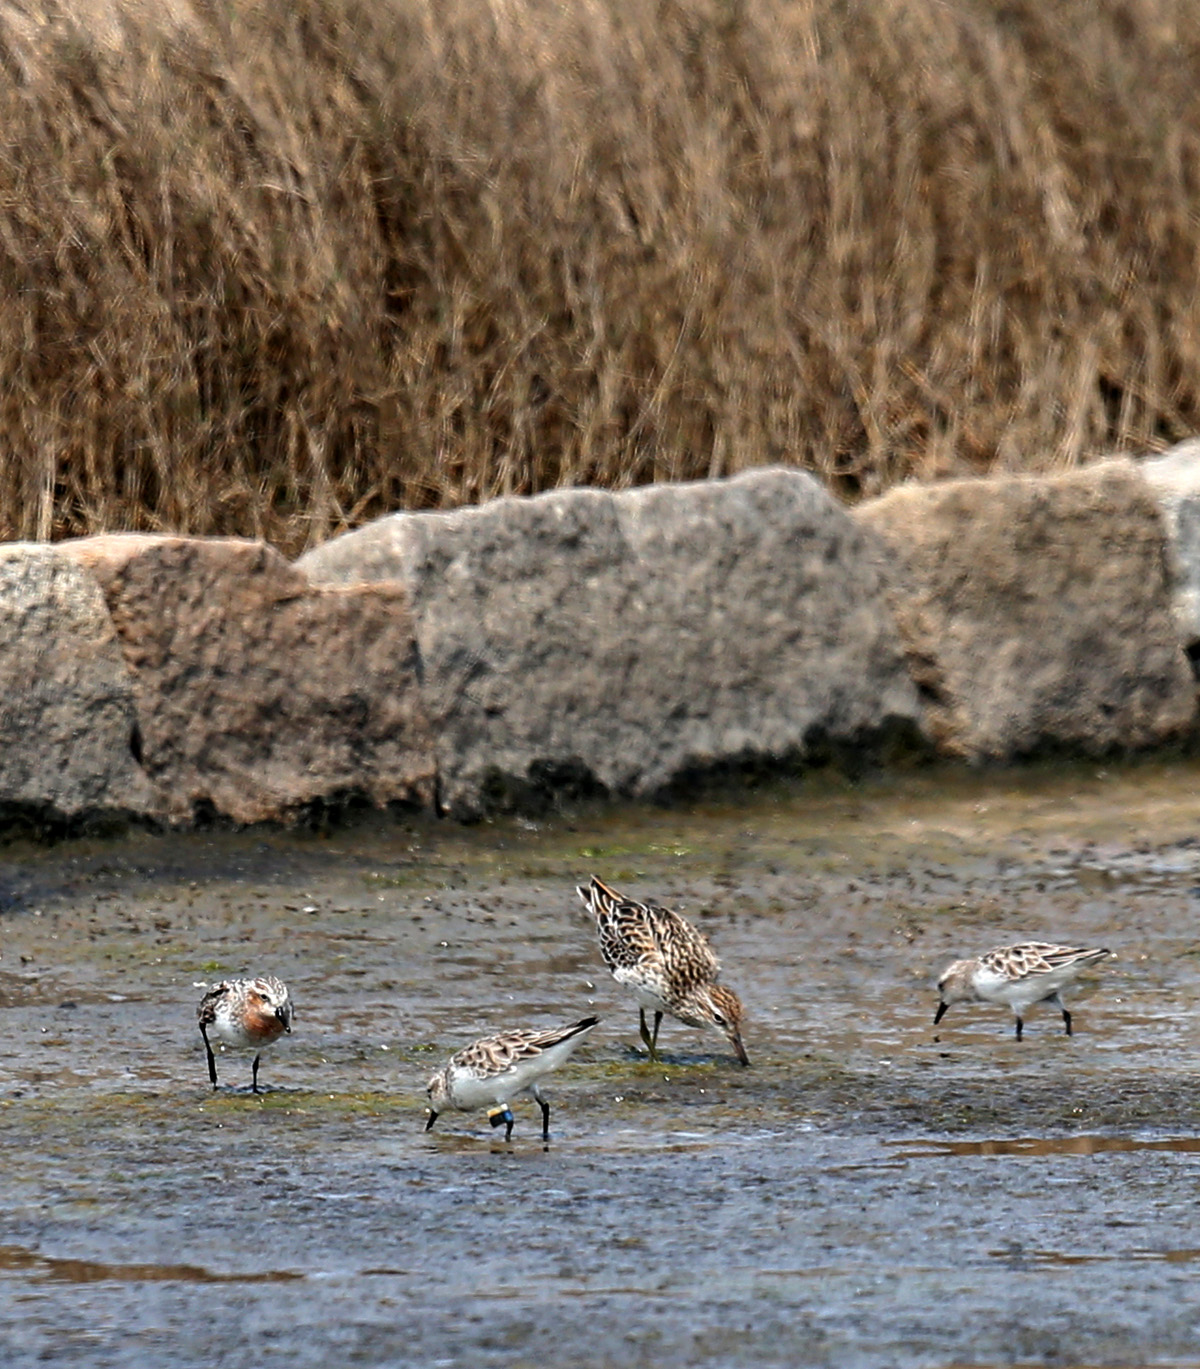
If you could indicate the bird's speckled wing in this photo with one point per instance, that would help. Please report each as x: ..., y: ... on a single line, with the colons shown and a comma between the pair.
x: 206, y: 1013
x: 1036, y: 958
x: 496, y: 1054
x: 636, y: 934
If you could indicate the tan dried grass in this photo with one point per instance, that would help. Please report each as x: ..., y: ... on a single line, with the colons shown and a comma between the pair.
x: 273, y: 270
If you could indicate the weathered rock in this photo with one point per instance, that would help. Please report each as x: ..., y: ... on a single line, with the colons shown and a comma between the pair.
x: 257, y: 694
x: 1175, y: 479
x: 68, y: 724
x: 1037, y: 611
x: 623, y: 640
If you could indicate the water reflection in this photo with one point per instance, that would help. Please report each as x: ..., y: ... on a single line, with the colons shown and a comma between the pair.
x: 1069, y: 1259
x: 19, y: 1259
x: 1046, y: 1145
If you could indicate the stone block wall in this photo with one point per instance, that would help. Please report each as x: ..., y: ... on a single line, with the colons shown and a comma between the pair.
x: 597, y: 643
x: 627, y: 639
x: 1037, y: 611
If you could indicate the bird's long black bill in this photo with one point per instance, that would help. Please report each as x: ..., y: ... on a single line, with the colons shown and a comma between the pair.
x: 941, y: 1012
x: 432, y: 1118
x: 740, y: 1050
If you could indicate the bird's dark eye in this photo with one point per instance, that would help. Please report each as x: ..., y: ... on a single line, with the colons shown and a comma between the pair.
x: 718, y: 1019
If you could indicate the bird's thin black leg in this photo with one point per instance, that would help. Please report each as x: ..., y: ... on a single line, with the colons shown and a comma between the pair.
x: 654, y: 1042
x: 212, y: 1061
x: 545, y: 1107
x: 1020, y: 1028
x: 432, y: 1118
x: 508, y: 1126
x: 1056, y: 999
x: 645, y: 1032
x: 254, y: 1074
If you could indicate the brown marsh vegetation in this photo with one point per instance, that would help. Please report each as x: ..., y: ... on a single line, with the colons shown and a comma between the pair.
x: 274, y: 269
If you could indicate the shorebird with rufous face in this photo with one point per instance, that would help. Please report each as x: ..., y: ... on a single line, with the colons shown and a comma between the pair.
x: 245, y: 1014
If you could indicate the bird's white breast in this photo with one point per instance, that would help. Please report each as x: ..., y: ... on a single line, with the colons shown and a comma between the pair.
x: 645, y: 989
x: 1030, y: 988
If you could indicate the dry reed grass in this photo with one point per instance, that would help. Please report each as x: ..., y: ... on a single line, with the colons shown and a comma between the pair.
x: 275, y: 269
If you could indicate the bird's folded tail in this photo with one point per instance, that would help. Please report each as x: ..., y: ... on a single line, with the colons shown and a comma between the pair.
x: 537, y: 1042
x: 1079, y: 957
x: 598, y: 898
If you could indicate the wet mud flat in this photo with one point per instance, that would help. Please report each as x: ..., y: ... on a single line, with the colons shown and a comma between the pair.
x: 871, y: 1191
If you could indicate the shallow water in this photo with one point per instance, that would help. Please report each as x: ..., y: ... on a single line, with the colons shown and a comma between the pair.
x: 871, y: 1191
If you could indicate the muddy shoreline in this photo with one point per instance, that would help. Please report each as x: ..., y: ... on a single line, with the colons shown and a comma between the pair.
x: 870, y: 1191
